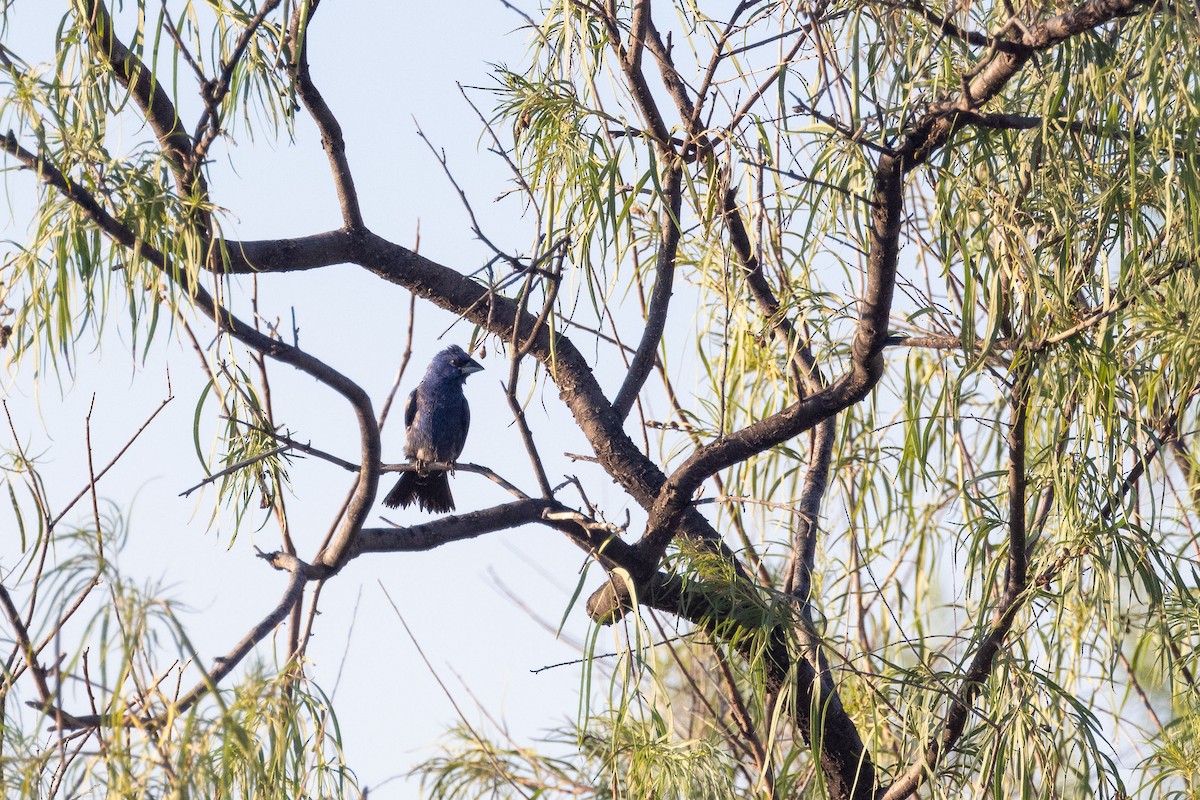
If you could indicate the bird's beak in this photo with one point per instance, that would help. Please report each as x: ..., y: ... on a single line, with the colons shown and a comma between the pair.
x: 470, y: 368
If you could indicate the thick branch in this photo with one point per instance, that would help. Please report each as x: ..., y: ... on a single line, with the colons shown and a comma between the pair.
x: 457, y: 528
x: 460, y: 527
x: 637, y: 34
x: 672, y: 81
x: 288, y: 255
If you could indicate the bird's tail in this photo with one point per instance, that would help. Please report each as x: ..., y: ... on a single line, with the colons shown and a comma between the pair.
x: 431, y: 492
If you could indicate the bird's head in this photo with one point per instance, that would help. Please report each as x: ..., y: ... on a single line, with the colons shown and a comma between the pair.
x: 454, y: 360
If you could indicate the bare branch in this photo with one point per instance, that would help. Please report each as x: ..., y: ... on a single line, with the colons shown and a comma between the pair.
x: 404, y: 359
x: 453, y: 528
x: 440, y: 155
x: 327, y: 123
x: 332, y: 557
x: 656, y: 314
x: 104, y: 470
x: 21, y: 634
x: 518, y: 352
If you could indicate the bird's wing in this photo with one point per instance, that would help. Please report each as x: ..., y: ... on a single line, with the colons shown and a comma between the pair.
x: 410, y: 409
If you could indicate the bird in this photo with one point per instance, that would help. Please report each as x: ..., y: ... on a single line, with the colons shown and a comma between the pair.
x: 436, y: 418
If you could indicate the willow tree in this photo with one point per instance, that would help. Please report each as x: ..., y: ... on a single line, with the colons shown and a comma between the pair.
x: 922, y: 527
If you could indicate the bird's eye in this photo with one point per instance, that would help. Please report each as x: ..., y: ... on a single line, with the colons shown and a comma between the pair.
x: 458, y: 362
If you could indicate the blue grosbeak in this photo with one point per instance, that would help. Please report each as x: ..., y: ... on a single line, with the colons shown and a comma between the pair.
x: 436, y: 418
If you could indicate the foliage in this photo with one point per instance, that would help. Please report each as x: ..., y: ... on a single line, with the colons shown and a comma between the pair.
x: 937, y: 267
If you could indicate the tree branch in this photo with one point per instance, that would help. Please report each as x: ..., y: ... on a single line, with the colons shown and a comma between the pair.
x: 364, y: 495
x: 762, y: 635
x: 660, y: 298
x: 156, y: 107
x: 453, y: 528
x: 214, y: 92
x: 1015, y: 584
x: 327, y: 124
x: 871, y: 334
x: 223, y: 665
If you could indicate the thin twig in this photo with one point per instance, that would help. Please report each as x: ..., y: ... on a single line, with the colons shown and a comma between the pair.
x: 245, y: 462
x: 405, y: 356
